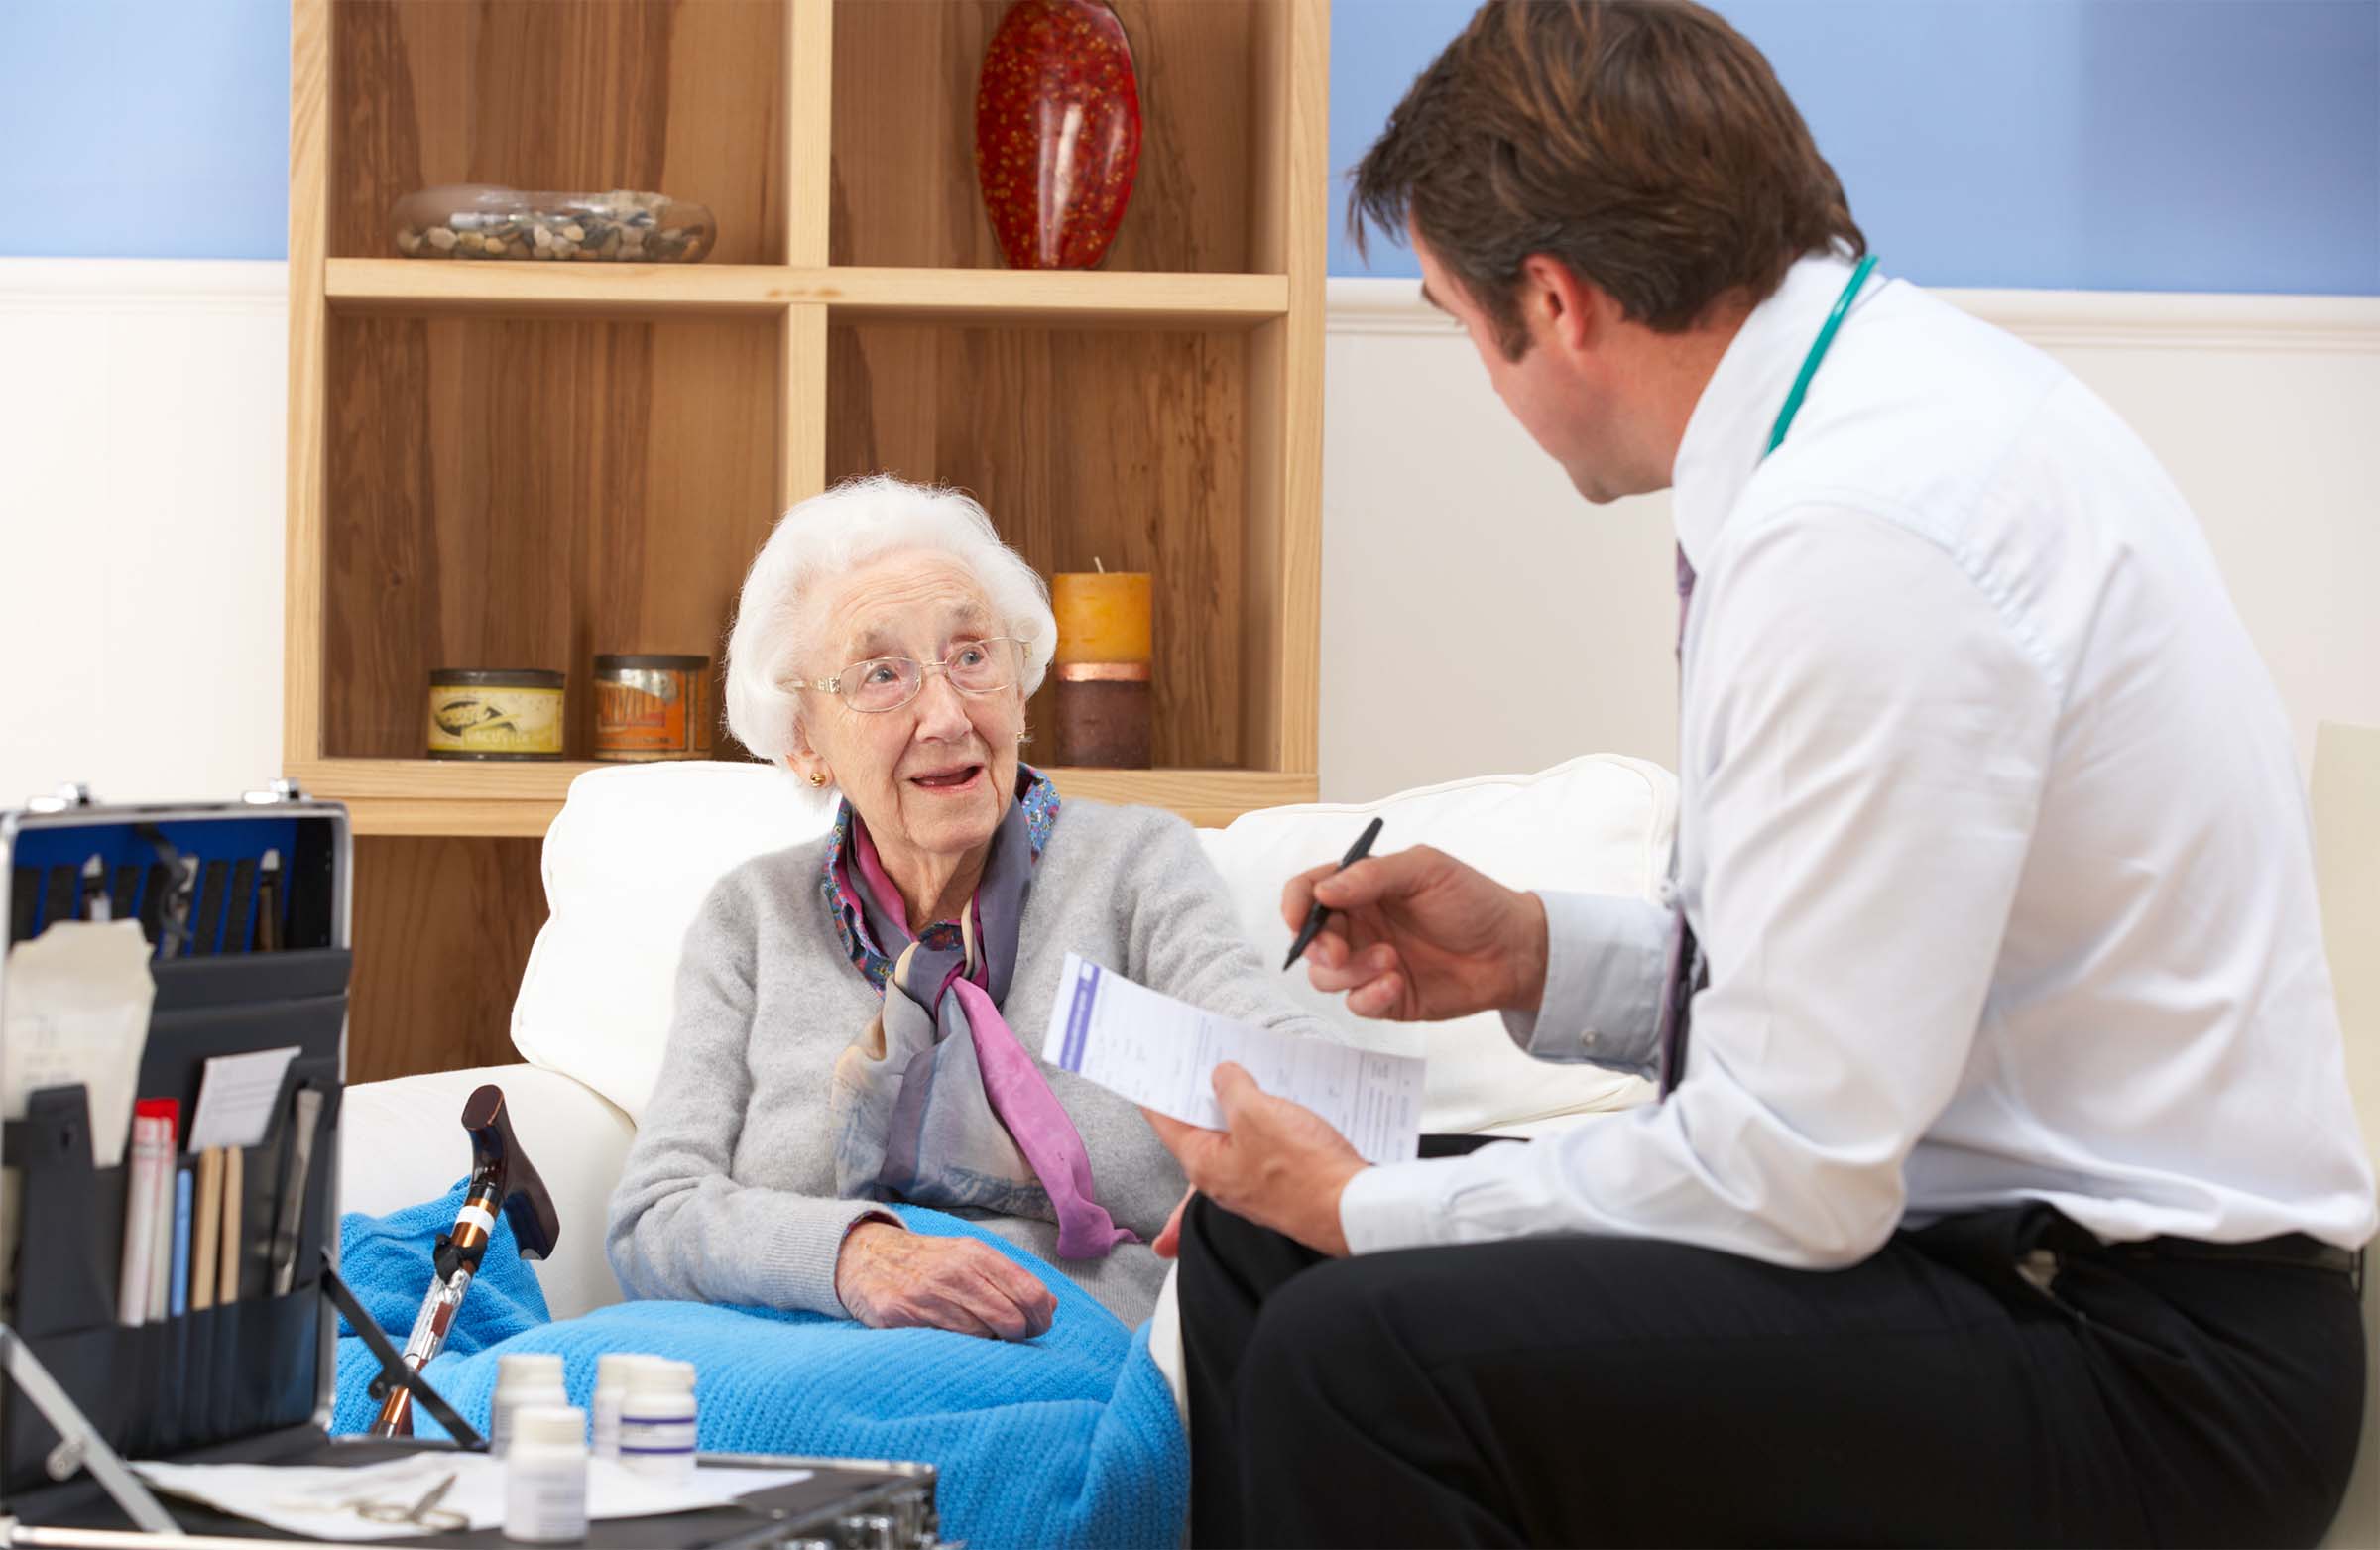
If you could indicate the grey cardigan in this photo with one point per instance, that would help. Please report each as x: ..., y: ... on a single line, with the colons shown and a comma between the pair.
x: 728, y: 1195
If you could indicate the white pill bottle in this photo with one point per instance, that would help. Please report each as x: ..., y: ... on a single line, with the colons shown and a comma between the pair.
x: 657, y: 1419
x: 521, y: 1378
x: 545, y: 1476
x: 614, y: 1371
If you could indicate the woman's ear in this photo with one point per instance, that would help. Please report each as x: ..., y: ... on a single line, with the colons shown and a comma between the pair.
x: 804, y: 761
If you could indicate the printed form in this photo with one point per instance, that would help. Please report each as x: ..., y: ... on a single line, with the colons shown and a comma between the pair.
x: 1161, y: 1053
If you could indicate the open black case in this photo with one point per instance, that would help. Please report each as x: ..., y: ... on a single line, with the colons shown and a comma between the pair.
x: 246, y: 908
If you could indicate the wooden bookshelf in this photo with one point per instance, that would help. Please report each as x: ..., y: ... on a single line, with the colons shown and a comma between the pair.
x: 524, y: 464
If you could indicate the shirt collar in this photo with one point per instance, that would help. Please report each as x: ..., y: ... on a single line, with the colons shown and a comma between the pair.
x: 1727, y: 436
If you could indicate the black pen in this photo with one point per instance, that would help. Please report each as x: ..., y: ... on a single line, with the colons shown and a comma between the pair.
x: 1318, y: 914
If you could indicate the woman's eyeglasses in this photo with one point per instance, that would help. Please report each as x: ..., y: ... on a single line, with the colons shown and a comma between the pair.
x: 883, y: 683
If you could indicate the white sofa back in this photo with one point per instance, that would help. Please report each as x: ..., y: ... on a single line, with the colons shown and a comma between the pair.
x: 636, y: 848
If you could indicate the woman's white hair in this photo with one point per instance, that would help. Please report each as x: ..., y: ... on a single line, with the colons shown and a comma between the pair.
x: 828, y: 534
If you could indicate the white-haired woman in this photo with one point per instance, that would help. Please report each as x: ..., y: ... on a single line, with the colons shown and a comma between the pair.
x: 856, y: 1017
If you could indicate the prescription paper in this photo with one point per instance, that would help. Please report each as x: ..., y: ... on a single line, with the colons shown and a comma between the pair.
x: 320, y: 1501
x: 1161, y: 1053
x: 236, y: 1097
x: 78, y: 998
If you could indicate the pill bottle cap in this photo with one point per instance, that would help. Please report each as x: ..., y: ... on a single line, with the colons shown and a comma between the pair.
x: 528, y: 1366
x: 617, y: 1366
x: 550, y: 1423
x: 660, y: 1376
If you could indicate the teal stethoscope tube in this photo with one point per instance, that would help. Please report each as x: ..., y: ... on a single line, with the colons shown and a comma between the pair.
x: 1818, y: 352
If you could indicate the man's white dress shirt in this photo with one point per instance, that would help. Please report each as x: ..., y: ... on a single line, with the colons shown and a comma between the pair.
x: 1991, y: 830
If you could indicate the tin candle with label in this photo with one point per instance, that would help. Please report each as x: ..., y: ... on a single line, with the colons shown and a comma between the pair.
x: 653, y: 707
x: 495, y: 713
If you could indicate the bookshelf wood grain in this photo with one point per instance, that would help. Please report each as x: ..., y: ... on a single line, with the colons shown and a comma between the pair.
x: 495, y: 464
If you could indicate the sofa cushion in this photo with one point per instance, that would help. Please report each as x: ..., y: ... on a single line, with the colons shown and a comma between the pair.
x: 636, y: 848
x: 401, y: 1142
x: 1597, y: 824
x: 628, y: 862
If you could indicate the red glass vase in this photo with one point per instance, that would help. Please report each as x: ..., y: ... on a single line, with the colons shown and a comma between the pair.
x: 1057, y: 132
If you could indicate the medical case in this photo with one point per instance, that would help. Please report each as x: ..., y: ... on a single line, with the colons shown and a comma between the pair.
x: 245, y: 907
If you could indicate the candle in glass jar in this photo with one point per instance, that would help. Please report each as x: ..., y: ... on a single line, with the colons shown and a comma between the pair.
x: 1104, y: 697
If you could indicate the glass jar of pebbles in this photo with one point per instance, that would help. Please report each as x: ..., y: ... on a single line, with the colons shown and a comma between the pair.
x: 483, y: 221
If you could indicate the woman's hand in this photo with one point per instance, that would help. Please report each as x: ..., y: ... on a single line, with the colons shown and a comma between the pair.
x: 890, y: 1277
x: 1168, y: 1241
x: 1416, y: 937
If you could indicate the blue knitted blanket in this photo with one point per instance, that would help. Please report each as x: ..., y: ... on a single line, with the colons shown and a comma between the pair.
x: 1071, y: 1439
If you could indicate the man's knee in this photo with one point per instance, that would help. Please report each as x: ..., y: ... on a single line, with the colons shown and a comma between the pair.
x: 1321, y: 1336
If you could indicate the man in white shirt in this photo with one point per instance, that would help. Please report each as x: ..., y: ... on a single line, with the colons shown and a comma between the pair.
x: 2005, y: 1181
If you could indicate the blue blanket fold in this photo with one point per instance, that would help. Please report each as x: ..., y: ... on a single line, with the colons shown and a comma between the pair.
x: 1071, y: 1439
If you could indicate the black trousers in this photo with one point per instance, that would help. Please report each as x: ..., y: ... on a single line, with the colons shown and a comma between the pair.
x: 2000, y: 1378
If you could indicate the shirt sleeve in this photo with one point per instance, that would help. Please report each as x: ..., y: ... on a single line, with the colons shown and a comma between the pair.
x: 682, y: 1227
x: 1605, y: 961
x: 1869, y: 738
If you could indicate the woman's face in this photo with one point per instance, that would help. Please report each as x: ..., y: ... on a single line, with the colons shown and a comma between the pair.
x: 938, y: 774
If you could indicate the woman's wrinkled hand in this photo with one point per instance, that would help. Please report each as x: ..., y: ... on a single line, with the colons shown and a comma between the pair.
x: 1417, y: 936
x: 890, y: 1277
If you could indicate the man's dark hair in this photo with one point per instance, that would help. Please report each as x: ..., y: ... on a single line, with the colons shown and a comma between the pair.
x: 1643, y: 143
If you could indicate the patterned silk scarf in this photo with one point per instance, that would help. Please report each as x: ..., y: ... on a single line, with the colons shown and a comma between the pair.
x: 938, y: 1101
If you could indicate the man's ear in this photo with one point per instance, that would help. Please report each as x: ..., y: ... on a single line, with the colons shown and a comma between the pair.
x: 1559, y: 305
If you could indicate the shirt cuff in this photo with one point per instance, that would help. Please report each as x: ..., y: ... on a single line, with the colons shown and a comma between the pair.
x: 1391, y: 1206
x: 1606, y: 958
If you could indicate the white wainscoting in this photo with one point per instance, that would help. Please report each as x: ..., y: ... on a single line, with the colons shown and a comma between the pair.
x: 1453, y: 548
x: 142, y: 430
x: 141, y: 496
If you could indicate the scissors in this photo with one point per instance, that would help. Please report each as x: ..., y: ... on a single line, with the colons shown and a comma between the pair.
x: 425, y: 1513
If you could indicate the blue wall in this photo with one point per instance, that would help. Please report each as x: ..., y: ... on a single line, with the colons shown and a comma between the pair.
x: 2126, y: 145
x: 2192, y: 145
x: 145, y: 128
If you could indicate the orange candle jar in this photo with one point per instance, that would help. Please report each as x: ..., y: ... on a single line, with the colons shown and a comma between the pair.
x: 1105, y: 699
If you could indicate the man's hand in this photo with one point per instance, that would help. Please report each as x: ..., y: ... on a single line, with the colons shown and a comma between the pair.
x: 890, y: 1277
x: 1416, y: 937
x: 1274, y: 1162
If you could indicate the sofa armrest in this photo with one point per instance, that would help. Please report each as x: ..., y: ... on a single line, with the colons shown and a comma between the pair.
x: 401, y: 1144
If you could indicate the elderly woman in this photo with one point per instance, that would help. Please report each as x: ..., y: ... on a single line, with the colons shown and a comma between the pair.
x: 857, y: 1017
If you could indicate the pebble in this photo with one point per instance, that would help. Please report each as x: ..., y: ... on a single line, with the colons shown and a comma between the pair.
x: 621, y: 226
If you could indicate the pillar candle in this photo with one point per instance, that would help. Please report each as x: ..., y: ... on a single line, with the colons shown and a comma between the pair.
x: 1103, y: 617
x: 1105, y: 710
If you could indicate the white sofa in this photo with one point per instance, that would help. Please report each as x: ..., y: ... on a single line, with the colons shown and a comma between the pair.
x: 636, y: 848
